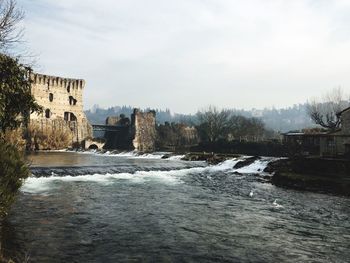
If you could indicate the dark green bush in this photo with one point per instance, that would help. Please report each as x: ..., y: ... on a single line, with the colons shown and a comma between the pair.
x: 13, y: 172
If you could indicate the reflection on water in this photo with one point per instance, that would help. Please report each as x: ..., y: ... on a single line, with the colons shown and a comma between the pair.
x: 58, y: 159
x: 50, y: 159
x: 96, y: 208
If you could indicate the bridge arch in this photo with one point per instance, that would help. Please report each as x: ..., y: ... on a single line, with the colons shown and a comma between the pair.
x: 91, y: 144
x: 93, y: 147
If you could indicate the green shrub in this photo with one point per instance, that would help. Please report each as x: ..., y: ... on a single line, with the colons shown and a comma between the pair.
x: 13, y: 172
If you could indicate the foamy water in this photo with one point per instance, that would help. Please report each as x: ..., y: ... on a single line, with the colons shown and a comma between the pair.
x: 43, y: 184
x: 256, y: 167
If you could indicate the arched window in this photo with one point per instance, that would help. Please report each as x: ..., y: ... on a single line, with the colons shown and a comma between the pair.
x: 47, y: 113
x: 69, y: 116
x: 68, y: 88
x: 50, y: 97
x: 72, y: 101
x: 73, y: 117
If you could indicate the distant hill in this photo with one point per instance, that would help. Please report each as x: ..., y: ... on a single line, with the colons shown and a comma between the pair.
x: 283, y: 120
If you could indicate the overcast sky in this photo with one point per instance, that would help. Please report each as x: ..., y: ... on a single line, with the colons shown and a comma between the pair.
x: 187, y: 54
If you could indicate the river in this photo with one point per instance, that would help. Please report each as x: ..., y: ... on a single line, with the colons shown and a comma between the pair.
x: 88, y: 207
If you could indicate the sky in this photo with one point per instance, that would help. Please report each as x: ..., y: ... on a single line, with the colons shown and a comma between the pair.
x: 188, y: 54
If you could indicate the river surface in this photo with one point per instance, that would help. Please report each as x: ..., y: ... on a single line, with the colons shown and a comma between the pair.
x: 85, y: 207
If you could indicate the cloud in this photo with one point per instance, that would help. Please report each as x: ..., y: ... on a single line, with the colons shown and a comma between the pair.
x: 185, y: 54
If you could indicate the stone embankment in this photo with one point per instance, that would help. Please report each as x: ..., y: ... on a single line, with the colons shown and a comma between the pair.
x: 315, y: 174
x: 312, y: 174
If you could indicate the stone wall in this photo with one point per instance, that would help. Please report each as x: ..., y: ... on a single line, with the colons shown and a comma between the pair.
x: 118, y: 120
x: 112, y: 120
x: 345, y: 122
x: 338, y: 143
x: 62, y: 102
x: 119, y: 139
x: 335, y: 145
x: 143, y: 128
x: 315, y: 174
x: 139, y: 133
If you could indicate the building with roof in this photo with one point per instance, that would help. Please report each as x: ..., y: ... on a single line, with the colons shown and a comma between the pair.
x: 335, y: 144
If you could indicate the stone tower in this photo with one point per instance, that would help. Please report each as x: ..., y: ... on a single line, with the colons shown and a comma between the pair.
x: 62, y: 102
x: 143, y: 130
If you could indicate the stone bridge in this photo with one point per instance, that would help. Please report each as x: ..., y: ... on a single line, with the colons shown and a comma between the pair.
x: 109, y: 128
x: 94, y: 144
x: 137, y: 133
x: 106, y: 134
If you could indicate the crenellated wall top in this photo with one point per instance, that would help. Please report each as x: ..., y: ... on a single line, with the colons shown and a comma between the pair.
x: 57, y: 81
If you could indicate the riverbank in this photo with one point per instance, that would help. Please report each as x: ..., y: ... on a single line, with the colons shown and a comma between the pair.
x: 272, y: 148
x: 312, y: 174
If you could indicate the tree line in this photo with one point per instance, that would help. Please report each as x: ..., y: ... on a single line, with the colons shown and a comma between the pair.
x: 280, y: 120
x: 214, y: 125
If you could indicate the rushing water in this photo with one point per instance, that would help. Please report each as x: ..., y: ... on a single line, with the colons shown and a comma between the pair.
x: 112, y: 208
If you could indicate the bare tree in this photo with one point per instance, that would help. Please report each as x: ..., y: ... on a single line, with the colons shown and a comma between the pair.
x: 225, y: 125
x: 10, y: 16
x: 324, y: 112
x: 214, y: 124
x: 246, y: 129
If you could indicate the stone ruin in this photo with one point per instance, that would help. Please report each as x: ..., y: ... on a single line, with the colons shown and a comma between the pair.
x: 62, y: 102
x: 143, y: 130
x: 137, y: 133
